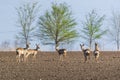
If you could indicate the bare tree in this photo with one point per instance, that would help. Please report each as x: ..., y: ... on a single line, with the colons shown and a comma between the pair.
x: 16, y: 43
x: 92, y: 28
x: 5, y: 45
x: 114, y: 29
x: 26, y: 21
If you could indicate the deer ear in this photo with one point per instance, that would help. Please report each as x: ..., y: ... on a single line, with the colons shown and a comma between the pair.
x: 57, y: 47
x: 36, y: 44
x: 95, y: 43
x: 39, y: 45
x: 28, y: 43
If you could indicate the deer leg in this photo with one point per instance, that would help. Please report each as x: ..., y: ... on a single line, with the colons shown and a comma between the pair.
x: 97, y: 58
x: 26, y: 57
x: 60, y: 57
x: 89, y: 57
x: 34, y: 57
x: 85, y: 58
x: 18, y: 58
x: 64, y: 55
x: 22, y: 57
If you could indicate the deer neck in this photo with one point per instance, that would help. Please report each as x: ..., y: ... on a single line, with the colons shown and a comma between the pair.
x: 96, y: 48
x: 36, y: 48
x: 26, y: 48
x: 82, y: 48
x: 57, y: 49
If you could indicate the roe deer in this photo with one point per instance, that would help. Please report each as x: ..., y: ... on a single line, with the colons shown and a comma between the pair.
x: 61, y: 52
x: 32, y: 52
x: 86, y: 52
x: 96, y: 52
x: 21, y: 52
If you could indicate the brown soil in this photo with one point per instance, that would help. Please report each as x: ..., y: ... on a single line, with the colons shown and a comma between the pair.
x: 48, y: 67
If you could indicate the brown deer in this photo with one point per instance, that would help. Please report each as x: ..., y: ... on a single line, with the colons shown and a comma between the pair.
x: 96, y: 52
x: 21, y: 52
x: 86, y: 52
x: 61, y: 52
x: 32, y: 52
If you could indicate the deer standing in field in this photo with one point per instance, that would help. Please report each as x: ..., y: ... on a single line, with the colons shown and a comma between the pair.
x: 61, y: 52
x: 86, y: 52
x: 32, y: 52
x: 21, y: 52
x: 96, y: 52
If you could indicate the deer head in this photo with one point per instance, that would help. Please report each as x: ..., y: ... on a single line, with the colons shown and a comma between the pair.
x: 82, y: 45
x: 37, y: 46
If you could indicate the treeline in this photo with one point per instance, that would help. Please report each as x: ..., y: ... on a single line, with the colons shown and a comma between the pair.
x: 58, y: 26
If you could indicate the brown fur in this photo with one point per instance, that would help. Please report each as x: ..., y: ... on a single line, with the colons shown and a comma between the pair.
x: 32, y: 52
x: 96, y: 52
x: 86, y: 52
x: 20, y: 52
x: 61, y: 52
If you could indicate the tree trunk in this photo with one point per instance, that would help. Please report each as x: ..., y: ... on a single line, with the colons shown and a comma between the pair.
x: 56, y: 44
x: 90, y: 43
x: 118, y: 45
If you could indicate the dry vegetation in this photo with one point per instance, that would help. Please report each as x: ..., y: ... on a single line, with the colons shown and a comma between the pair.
x: 48, y: 67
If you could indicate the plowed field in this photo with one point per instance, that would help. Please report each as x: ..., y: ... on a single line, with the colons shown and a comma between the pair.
x: 48, y: 67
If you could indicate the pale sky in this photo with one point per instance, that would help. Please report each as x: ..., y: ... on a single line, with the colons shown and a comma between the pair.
x: 80, y: 8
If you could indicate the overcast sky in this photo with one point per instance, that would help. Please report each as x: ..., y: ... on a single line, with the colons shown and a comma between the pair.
x: 80, y: 8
